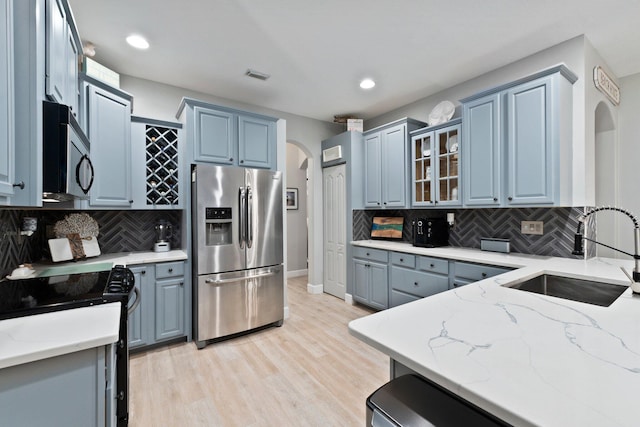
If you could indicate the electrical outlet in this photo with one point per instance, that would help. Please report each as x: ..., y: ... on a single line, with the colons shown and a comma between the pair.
x: 532, y: 227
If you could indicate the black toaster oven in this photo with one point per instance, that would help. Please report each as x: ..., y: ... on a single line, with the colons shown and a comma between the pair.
x: 430, y: 232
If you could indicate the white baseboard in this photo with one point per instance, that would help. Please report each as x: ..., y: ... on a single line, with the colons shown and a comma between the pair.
x: 297, y: 273
x: 348, y: 298
x: 315, y: 289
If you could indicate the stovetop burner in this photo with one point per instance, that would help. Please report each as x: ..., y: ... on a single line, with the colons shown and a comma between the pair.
x: 45, y: 294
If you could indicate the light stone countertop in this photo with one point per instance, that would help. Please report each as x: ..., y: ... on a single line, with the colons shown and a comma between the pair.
x: 530, y: 359
x: 30, y: 338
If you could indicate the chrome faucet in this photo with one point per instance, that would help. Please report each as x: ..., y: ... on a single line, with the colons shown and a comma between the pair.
x: 578, y: 250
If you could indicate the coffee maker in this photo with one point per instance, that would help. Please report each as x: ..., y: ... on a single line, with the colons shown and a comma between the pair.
x: 164, y: 231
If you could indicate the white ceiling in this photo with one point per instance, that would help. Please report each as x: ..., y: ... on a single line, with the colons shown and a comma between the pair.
x: 317, y: 51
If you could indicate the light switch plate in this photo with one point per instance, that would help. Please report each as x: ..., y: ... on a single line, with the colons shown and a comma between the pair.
x: 532, y: 227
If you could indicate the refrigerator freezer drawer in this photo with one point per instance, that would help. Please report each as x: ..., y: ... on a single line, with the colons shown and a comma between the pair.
x: 239, y: 301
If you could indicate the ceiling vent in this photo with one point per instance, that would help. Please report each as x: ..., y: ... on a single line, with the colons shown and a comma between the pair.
x: 257, y: 74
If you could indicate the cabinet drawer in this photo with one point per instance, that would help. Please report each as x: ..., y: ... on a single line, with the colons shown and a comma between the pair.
x: 418, y: 283
x: 477, y: 271
x: 399, y: 298
x: 370, y: 254
x: 405, y: 260
x: 169, y: 269
x: 433, y: 265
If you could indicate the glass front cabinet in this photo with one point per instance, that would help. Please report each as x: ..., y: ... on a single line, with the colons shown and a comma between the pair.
x: 435, y: 165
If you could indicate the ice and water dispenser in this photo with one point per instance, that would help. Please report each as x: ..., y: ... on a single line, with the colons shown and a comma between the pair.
x: 218, y: 226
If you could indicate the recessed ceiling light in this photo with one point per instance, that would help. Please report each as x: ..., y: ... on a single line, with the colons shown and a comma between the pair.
x: 367, y: 84
x: 138, y: 42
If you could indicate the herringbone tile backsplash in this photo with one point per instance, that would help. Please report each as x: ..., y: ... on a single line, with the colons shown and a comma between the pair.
x: 472, y: 224
x: 120, y: 231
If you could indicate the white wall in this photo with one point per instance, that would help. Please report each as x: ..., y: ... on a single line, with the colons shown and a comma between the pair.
x: 628, y: 172
x: 296, y: 177
x: 160, y: 101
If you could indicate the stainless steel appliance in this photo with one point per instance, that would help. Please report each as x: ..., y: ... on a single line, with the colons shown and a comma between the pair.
x: 430, y: 232
x: 39, y: 295
x: 237, y: 250
x: 164, y: 231
x: 67, y: 169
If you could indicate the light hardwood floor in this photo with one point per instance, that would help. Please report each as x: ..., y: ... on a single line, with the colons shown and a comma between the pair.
x: 309, y: 372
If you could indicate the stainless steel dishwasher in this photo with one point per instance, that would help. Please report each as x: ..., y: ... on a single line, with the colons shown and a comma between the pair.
x: 410, y: 400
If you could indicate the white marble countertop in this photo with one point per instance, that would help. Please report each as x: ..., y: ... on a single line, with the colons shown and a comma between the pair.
x: 30, y: 338
x: 530, y: 359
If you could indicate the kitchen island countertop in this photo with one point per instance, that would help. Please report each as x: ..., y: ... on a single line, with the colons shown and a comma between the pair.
x: 530, y: 359
x: 31, y: 338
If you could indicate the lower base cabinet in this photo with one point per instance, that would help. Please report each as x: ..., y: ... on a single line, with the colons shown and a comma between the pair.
x: 371, y: 281
x: 71, y: 389
x: 161, y: 313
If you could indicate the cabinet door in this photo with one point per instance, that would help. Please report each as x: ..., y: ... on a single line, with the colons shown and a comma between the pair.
x: 530, y: 172
x: 422, y: 169
x: 110, y: 135
x: 138, y: 324
x: 394, y: 167
x: 7, y: 140
x: 447, y: 166
x: 214, y: 136
x: 256, y: 142
x: 361, y: 280
x: 57, y: 31
x: 372, y: 171
x: 169, y: 308
x: 71, y: 72
x: 379, y: 283
x: 481, y: 149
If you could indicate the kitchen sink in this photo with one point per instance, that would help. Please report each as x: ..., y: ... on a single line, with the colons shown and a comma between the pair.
x: 588, y: 291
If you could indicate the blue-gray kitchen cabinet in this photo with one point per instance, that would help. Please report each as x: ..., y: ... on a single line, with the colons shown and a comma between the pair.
x: 516, y: 138
x: 386, y: 164
x: 163, y: 310
x: 371, y: 282
x: 169, y: 301
x: 61, y: 59
x: 463, y: 273
x: 413, y: 277
x: 107, y: 122
x: 71, y: 389
x: 7, y: 134
x: 435, y: 166
x: 225, y: 136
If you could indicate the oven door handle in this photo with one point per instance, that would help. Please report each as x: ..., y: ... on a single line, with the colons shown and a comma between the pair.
x: 136, y: 303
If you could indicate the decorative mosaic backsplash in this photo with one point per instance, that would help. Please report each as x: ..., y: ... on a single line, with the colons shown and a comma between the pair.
x: 472, y: 224
x: 120, y: 231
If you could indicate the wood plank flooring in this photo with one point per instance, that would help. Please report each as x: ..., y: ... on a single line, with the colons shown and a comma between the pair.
x: 309, y: 372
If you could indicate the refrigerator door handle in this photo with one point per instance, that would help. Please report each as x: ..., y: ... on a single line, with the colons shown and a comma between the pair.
x: 242, y: 222
x: 239, y: 279
x: 249, y: 217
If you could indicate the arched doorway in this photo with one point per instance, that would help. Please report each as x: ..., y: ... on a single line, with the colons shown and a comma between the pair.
x: 606, y: 179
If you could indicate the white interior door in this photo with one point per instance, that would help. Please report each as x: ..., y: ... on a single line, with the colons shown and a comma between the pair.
x: 335, y: 230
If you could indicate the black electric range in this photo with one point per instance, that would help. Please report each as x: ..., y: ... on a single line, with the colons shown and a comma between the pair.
x: 39, y: 295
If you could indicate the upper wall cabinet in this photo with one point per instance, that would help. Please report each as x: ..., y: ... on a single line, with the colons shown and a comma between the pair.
x: 106, y: 115
x: 435, y: 166
x: 155, y: 154
x: 62, y: 49
x: 7, y: 136
x: 517, y: 142
x: 385, y: 164
x: 228, y: 137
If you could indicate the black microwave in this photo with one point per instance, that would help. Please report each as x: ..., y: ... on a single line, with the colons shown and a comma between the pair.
x: 67, y: 169
x: 430, y: 232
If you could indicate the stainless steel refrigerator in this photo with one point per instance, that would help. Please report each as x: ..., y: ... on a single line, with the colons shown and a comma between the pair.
x: 237, y: 250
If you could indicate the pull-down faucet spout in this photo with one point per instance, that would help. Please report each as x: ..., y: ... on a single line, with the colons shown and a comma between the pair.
x: 577, y: 245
